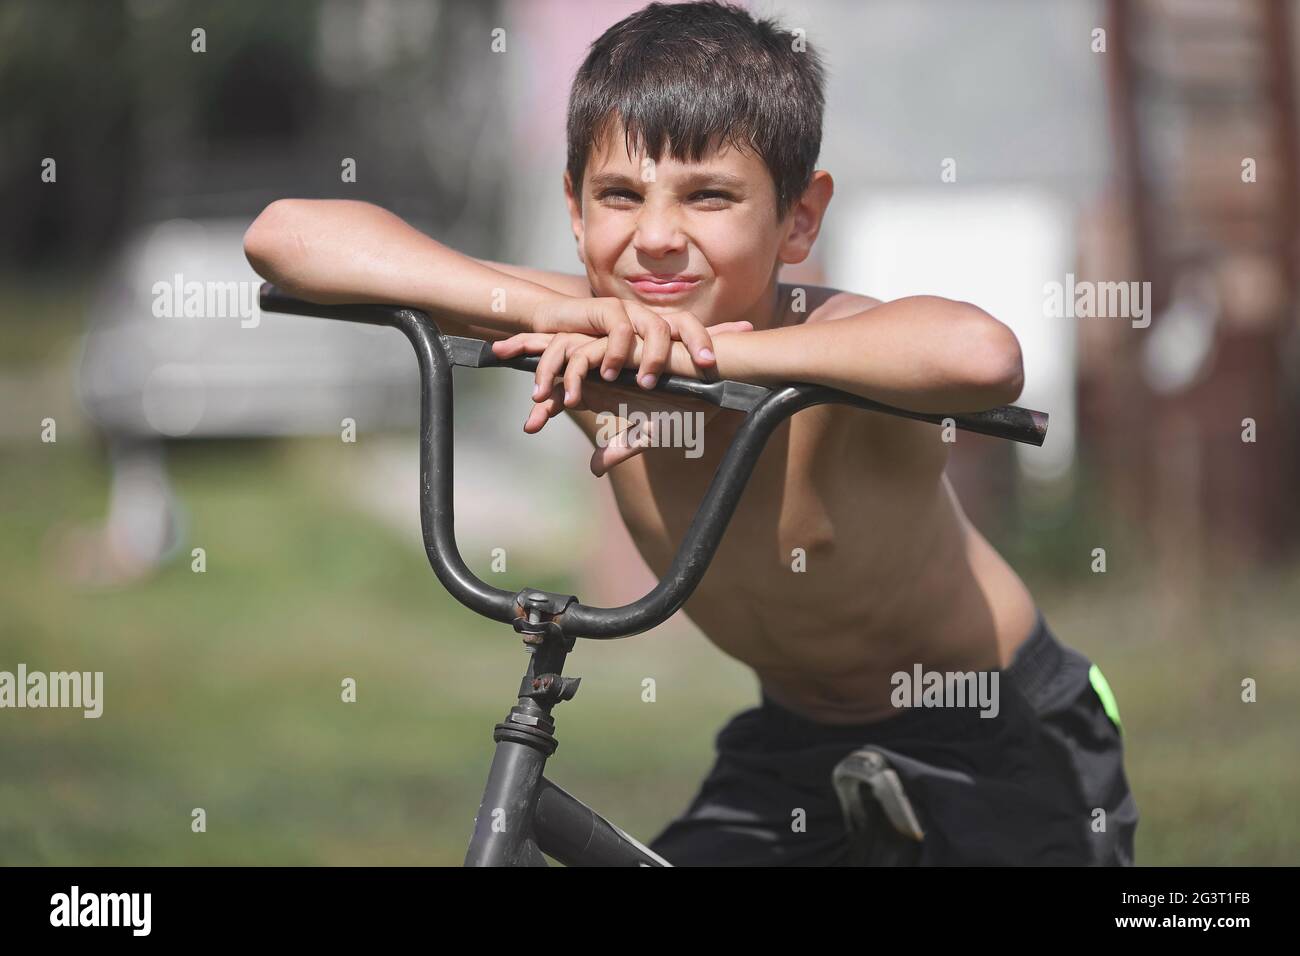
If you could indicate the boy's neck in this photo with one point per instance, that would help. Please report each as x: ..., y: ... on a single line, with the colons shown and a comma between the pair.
x: 767, y: 310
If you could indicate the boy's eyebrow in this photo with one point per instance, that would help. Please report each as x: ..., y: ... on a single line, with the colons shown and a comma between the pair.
x: 689, y: 180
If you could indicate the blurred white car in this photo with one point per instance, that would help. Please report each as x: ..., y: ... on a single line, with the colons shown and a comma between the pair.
x: 176, y: 348
x: 149, y: 370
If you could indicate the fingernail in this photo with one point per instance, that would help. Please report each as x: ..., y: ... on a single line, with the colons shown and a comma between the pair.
x: 648, y: 381
x: 706, y: 354
x: 568, y: 396
x: 609, y: 374
x: 537, y: 389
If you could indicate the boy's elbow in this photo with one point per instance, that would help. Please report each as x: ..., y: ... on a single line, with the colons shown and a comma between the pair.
x: 264, y: 238
x: 270, y: 242
x: 993, y: 360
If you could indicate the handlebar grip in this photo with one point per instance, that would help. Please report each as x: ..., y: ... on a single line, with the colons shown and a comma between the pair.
x: 765, y: 409
x: 273, y: 299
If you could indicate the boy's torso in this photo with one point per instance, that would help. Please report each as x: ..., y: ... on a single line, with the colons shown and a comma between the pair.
x: 892, y: 574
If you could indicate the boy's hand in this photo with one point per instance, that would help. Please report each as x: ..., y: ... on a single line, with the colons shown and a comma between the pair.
x: 622, y: 322
x: 576, y: 354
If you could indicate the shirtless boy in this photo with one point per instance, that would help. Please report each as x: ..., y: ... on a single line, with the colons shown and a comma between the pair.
x: 693, y: 134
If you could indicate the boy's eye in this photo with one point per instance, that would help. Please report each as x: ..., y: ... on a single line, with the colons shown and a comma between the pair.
x: 618, y: 194
x: 714, y: 198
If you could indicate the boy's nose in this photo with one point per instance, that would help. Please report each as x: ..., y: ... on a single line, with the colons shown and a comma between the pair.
x: 658, y: 233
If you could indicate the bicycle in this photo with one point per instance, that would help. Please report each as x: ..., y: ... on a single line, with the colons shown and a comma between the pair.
x: 527, y: 814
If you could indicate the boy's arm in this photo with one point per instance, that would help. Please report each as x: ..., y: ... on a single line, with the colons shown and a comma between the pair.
x: 332, y: 251
x: 922, y: 353
x: 340, y: 251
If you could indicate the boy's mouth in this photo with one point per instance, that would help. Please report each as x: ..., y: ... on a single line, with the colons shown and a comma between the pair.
x: 663, y: 286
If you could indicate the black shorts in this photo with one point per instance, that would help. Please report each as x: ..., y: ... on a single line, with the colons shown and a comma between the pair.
x: 1042, y: 782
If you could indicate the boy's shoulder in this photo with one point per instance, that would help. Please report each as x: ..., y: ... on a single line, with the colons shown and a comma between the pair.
x: 903, y: 443
x: 802, y: 303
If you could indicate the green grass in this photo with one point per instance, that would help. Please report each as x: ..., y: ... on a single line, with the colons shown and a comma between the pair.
x: 1215, y: 777
x: 222, y: 689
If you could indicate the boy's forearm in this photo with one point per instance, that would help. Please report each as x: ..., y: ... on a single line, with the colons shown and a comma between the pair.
x: 922, y: 353
x: 333, y: 251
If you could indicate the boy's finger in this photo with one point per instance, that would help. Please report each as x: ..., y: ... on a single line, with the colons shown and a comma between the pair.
x: 594, y: 351
x: 607, y: 315
x: 510, y: 347
x: 742, y: 326
x: 626, y: 445
x: 618, y: 348
x: 548, y: 366
x: 520, y: 343
x: 574, y: 373
x: 542, y: 411
x: 692, y: 333
x: 656, y: 343
x: 591, y: 354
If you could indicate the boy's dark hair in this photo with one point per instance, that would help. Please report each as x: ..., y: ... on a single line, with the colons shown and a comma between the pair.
x: 693, y: 76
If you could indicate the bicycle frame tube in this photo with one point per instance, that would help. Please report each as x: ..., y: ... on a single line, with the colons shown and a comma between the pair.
x: 524, y: 815
x: 576, y: 835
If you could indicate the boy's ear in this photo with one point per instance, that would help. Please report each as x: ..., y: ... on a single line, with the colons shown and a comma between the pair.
x: 804, y: 220
x: 575, y: 214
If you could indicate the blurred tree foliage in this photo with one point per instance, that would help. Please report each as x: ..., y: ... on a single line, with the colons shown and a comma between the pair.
x: 142, y: 126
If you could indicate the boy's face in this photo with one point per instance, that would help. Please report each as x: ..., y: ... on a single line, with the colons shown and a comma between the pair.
x: 712, y: 223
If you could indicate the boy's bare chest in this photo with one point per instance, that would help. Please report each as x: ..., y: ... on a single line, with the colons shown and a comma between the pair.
x: 797, y: 529
x: 838, y: 566
x: 833, y: 568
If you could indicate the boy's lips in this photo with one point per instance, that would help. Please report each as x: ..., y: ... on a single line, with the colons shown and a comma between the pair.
x: 663, y: 285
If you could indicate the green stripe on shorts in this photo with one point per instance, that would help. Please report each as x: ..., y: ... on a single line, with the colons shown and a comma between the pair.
x: 1107, y: 696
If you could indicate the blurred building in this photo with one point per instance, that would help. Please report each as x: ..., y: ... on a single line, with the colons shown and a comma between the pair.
x: 1191, y: 424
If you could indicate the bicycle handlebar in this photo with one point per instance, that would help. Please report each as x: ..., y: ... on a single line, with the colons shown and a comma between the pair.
x: 766, y: 408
